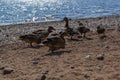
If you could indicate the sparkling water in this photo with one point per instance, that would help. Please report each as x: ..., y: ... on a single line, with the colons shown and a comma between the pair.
x: 18, y: 11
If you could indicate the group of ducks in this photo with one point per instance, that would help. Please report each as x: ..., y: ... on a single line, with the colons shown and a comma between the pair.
x: 57, y: 41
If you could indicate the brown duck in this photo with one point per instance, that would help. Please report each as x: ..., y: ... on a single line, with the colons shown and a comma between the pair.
x: 100, y: 30
x: 36, y: 37
x: 69, y: 30
x: 30, y: 38
x: 44, y: 33
x: 82, y: 29
x: 55, y: 43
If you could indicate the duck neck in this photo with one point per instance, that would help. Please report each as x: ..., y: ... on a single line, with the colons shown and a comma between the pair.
x: 49, y: 31
x: 62, y: 36
x: 67, y: 24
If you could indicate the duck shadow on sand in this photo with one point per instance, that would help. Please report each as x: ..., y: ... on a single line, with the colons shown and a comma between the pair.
x: 88, y: 38
x: 73, y: 39
x: 57, y: 53
x: 80, y: 39
x: 33, y: 47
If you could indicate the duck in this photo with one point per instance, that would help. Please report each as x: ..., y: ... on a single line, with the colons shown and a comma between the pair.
x: 30, y: 38
x: 69, y: 30
x: 55, y: 43
x: 36, y: 36
x: 83, y: 30
x: 100, y: 30
x: 43, y: 34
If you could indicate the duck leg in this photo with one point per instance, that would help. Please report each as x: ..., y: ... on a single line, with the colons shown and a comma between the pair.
x: 71, y: 37
x: 51, y: 50
x: 31, y: 44
x: 104, y: 34
x: 84, y: 35
x: 81, y: 35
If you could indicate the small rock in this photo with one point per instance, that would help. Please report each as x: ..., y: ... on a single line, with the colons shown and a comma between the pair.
x: 7, y: 71
x: 86, y: 76
x: 87, y: 57
x: 103, y: 37
x: 1, y: 68
x: 99, y: 78
x: 7, y: 35
x: 100, y: 56
x: 107, y: 47
x: 35, y: 62
x: 72, y: 67
x: 61, y: 75
x: 43, y: 77
x: 38, y: 58
x: 98, y: 68
x: 45, y: 72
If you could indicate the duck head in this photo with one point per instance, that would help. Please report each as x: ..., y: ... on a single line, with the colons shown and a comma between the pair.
x: 22, y: 37
x: 98, y: 27
x: 65, y: 19
x: 67, y: 22
x: 87, y: 30
x: 80, y: 24
x: 50, y: 29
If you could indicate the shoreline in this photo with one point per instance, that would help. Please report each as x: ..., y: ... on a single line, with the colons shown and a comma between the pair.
x: 37, y: 22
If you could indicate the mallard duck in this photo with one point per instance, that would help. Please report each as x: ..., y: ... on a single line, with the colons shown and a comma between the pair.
x: 55, y: 43
x: 100, y: 30
x: 30, y: 38
x: 44, y: 33
x: 69, y: 30
x: 82, y: 29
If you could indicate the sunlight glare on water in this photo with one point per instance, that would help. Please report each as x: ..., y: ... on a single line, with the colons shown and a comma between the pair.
x: 15, y: 11
x: 30, y: 1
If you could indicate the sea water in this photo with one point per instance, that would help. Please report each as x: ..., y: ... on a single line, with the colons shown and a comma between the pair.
x: 20, y: 11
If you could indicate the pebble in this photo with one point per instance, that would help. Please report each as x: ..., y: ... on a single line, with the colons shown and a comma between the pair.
x: 72, y: 67
x: 7, y: 35
x: 99, y: 68
x: 100, y: 56
x: 1, y: 68
x: 7, y: 71
x: 45, y: 72
x: 43, y: 77
x: 35, y: 62
x: 86, y: 76
x: 87, y: 57
x: 107, y: 47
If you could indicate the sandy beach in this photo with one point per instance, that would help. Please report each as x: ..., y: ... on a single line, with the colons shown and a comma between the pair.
x: 78, y: 61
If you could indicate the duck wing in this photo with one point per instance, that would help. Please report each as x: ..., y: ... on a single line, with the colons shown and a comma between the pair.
x: 101, y: 30
x: 72, y: 31
x: 53, y: 40
x: 38, y: 31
